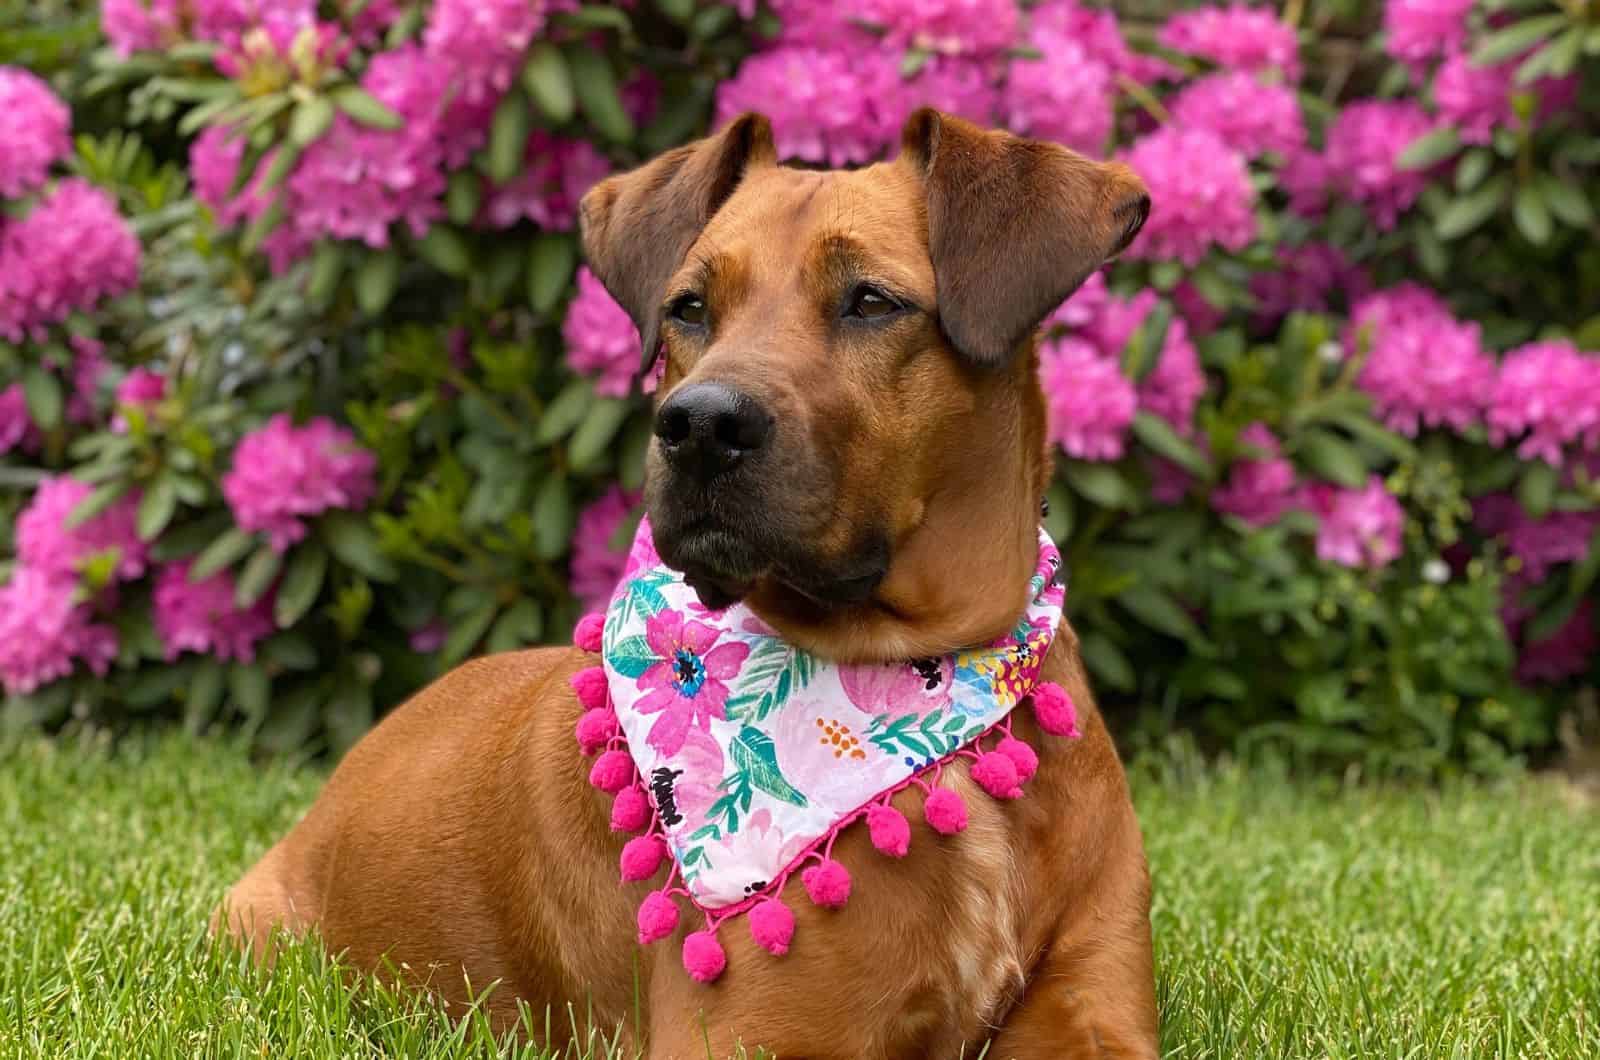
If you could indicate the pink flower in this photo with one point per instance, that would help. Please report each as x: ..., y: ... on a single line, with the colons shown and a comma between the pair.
x: 956, y: 85
x: 1089, y: 401
x: 1174, y: 385
x: 1082, y: 308
x: 482, y: 41
x: 838, y: 107
x: 600, y: 337
x: 554, y: 175
x: 70, y: 252
x: 44, y: 631
x: 203, y: 617
x: 1567, y: 652
x: 1540, y: 544
x: 33, y: 131
x: 1097, y: 32
x: 140, y: 25
x: 1259, y: 489
x: 596, y: 564
x: 140, y: 388
x: 1308, y: 275
x: 1235, y: 38
x: 46, y: 544
x: 904, y: 688
x: 686, y: 687
x: 1423, y: 367
x: 17, y: 429
x: 948, y: 27
x: 1363, y: 152
x: 369, y: 19
x: 1201, y: 195
x: 1357, y: 528
x: 1064, y: 95
x: 1170, y: 483
x: 283, y: 474
x: 428, y: 637
x: 1307, y: 180
x: 1248, y: 114
x: 1199, y: 315
x: 1475, y: 99
x: 1419, y: 30
x: 1549, y: 393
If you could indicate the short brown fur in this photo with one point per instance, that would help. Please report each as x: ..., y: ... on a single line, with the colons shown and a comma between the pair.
x: 460, y: 839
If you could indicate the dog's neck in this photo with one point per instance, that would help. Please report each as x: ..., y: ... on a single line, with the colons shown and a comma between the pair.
x: 961, y: 562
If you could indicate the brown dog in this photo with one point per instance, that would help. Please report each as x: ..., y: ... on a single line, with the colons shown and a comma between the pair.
x: 852, y: 439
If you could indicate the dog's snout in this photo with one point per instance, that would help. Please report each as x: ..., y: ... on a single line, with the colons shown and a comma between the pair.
x: 707, y: 428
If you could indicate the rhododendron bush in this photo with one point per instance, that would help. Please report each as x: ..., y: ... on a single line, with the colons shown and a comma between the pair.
x: 306, y: 395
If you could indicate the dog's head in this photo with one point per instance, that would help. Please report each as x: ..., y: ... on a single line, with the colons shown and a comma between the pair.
x: 849, y: 431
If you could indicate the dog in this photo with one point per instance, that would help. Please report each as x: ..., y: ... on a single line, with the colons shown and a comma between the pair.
x: 850, y: 439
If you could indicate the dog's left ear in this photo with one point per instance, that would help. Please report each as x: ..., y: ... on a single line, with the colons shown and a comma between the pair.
x: 1014, y: 226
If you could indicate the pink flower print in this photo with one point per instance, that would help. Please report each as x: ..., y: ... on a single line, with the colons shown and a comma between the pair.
x: 695, y: 789
x: 894, y: 689
x: 686, y: 688
x: 746, y: 861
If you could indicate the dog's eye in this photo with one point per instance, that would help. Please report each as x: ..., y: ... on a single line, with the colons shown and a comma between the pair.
x: 690, y: 309
x: 869, y: 303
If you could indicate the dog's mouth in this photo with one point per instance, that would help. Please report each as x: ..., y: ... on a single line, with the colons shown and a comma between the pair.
x: 723, y: 566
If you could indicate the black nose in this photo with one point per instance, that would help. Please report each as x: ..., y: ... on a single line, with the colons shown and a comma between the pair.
x: 707, y: 428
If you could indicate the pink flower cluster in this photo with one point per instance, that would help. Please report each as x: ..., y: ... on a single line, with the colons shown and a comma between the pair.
x: 1538, y: 544
x: 554, y: 175
x: 1547, y: 394
x: 203, y: 616
x: 72, y: 250
x: 1423, y: 367
x: 1307, y: 278
x: 1089, y: 401
x: 283, y: 474
x: 600, y: 338
x: 1063, y: 95
x: 1237, y: 37
x: 1419, y: 30
x: 17, y: 429
x: 45, y: 543
x: 1250, y: 115
x: 1362, y: 157
x: 33, y: 131
x: 1356, y: 527
x: 596, y: 566
x: 1259, y: 490
x: 1201, y: 195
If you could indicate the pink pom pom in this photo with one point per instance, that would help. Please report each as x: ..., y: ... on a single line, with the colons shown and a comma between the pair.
x: 631, y: 810
x: 658, y: 917
x: 772, y: 925
x: 703, y: 958
x: 1055, y: 711
x: 587, y: 634
x: 827, y: 883
x: 890, y: 831
x: 997, y: 774
x: 642, y: 858
x: 590, y: 685
x: 1022, y: 756
x: 946, y: 811
x: 612, y: 772
x: 596, y: 728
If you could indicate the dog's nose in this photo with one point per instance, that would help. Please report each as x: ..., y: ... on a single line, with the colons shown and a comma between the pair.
x: 707, y: 428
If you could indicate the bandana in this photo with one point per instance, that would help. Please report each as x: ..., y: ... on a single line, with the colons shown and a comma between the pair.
x: 741, y: 757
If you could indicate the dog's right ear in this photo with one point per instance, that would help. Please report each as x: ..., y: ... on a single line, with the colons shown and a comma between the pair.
x: 637, y: 226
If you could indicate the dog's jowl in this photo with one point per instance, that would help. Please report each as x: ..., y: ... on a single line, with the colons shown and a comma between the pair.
x: 833, y: 735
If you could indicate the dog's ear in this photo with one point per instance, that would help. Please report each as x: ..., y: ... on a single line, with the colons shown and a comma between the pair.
x: 1014, y: 226
x: 637, y: 226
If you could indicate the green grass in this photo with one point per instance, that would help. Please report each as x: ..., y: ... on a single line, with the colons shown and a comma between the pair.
x: 1293, y: 918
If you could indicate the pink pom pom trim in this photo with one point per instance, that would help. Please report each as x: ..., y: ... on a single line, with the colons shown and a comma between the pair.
x: 827, y: 883
x: 1054, y: 710
x: 946, y: 811
x: 658, y: 917
x: 631, y: 810
x: 997, y: 775
x: 595, y: 729
x: 772, y: 926
x: 703, y: 958
x: 890, y: 831
x: 612, y: 772
x: 642, y: 857
x: 1022, y: 756
x: 586, y: 636
x: 590, y: 686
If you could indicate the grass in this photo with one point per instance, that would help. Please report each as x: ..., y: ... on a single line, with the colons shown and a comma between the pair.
x: 1293, y: 918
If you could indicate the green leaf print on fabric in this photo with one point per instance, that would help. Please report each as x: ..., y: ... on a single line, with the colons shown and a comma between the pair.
x: 753, y: 752
x: 773, y: 673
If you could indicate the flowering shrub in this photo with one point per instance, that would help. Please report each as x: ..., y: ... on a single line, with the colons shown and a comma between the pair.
x: 345, y: 409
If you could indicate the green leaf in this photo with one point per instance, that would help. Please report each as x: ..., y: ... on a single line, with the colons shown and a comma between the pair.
x: 302, y: 581
x: 251, y: 691
x: 257, y: 231
x: 327, y: 265
x: 291, y: 721
x: 1532, y: 217
x: 594, y: 434
x: 157, y: 506
x: 550, y: 263
x: 1106, y: 661
x: 519, y: 626
x: 754, y: 755
x: 364, y: 108
x: 1515, y: 39
x: 446, y: 250
x: 1430, y: 148
x: 376, y: 280
x: 1472, y: 168
x: 348, y: 715
x: 597, y: 92
x: 96, y: 502
x: 42, y: 391
x: 351, y: 538
x: 202, y: 697
x: 463, y: 196
x: 1566, y: 201
x: 1143, y: 352
x: 553, y: 517
x: 1159, y: 436
x: 631, y: 657
x: 156, y: 687
x: 912, y: 62
x: 257, y: 575
x: 466, y: 633
x: 1536, y: 489
x: 1332, y: 458
x: 312, y: 118
x: 1369, y: 430
x: 597, y: 16
x: 548, y: 80
x: 508, y: 135
x: 1554, y: 60
x: 226, y: 550
x: 1160, y: 612
x: 565, y: 411
x: 1102, y: 484
x: 291, y: 650
x: 1469, y: 211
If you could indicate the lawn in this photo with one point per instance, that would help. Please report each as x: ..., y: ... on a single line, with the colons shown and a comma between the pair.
x: 1293, y: 918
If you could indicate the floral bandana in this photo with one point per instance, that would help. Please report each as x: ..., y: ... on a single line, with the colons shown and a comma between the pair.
x: 742, y: 757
